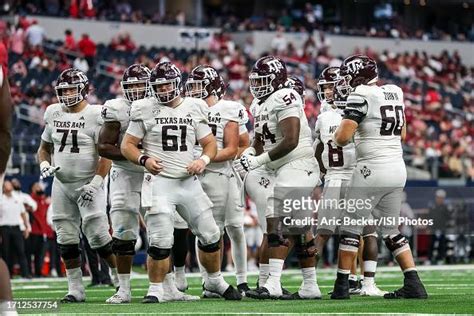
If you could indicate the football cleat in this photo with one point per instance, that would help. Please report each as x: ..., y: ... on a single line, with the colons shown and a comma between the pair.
x: 231, y: 294
x: 178, y: 296
x: 150, y: 299
x: 354, y: 287
x: 412, y: 288
x: 260, y: 293
x: 371, y: 289
x: 243, y: 288
x: 119, y: 298
x: 181, y: 282
x: 74, y: 298
x: 341, y: 290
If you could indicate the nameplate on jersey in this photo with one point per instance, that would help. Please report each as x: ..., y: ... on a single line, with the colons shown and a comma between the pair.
x: 174, y: 120
x: 69, y: 124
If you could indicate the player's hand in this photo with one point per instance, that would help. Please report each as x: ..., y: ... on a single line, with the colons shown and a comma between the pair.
x: 196, y: 167
x: 89, y: 191
x: 250, y: 162
x: 47, y: 170
x: 153, y: 166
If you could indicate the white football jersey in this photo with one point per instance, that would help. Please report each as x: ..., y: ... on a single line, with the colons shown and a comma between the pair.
x: 75, y: 137
x: 118, y: 110
x: 219, y: 115
x: 244, y: 118
x: 338, y: 161
x: 169, y: 134
x: 378, y: 136
x: 280, y: 105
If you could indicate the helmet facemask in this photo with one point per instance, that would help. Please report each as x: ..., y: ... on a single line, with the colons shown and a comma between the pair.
x: 169, y: 94
x: 196, y: 88
x: 134, y: 90
x: 69, y: 99
x: 261, y: 86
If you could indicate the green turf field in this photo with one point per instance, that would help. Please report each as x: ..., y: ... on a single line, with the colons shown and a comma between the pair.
x: 451, y: 290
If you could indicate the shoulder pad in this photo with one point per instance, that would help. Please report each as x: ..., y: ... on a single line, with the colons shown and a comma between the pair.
x: 142, y: 109
x: 112, y: 109
x: 285, y: 98
x: 199, y: 108
x: 52, y: 111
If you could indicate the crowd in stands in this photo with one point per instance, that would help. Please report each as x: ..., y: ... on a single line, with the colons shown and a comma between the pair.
x: 438, y: 89
x: 305, y: 18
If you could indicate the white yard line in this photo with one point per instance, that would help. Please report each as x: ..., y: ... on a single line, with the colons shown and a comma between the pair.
x: 454, y: 267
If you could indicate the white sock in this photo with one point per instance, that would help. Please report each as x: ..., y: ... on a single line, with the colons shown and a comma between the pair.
x: 276, y: 267
x: 264, y: 270
x: 124, y: 282
x: 216, y: 279
x: 352, y: 277
x: 74, y: 280
x: 239, y: 252
x: 370, y: 266
x: 115, y: 278
x: 155, y: 289
x: 309, y: 276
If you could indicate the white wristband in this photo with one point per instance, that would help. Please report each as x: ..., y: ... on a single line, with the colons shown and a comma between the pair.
x: 97, y: 180
x: 206, y: 159
x: 263, y: 158
x: 44, y: 164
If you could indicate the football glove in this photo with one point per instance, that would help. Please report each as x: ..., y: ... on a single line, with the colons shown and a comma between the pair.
x: 250, y: 162
x: 89, y: 191
x: 47, y: 170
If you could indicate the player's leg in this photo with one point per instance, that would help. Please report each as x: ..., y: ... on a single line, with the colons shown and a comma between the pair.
x: 179, y: 252
x: 369, y: 259
x: 195, y: 208
x: 234, y: 225
x: 258, y: 185
x: 351, y: 234
x: 124, y: 216
x: 304, y: 175
x: 95, y: 226
x: 6, y: 292
x: 67, y: 220
x: 390, y: 206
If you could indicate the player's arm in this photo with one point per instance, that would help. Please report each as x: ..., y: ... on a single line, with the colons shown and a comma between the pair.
x: 354, y: 113
x: 103, y: 167
x: 318, y: 154
x: 231, y: 143
x: 209, y: 150
x: 108, y: 141
x: 44, y: 158
x: 345, y: 131
x: 404, y: 129
x: 244, y: 143
x: 290, y: 130
x: 130, y: 150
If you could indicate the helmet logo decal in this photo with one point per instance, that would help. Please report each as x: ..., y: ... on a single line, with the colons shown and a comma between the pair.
x: 355, y: 65
x: 275, y: 65
x: 211, y: 73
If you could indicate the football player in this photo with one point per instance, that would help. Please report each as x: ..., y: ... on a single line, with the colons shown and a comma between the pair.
x: 218, y: 179
x: 5, y: 149
x: 283, y: 144
x: 168, y: 125
x: 126, y: 178
x: 337, y: 165
x: 258, y: 185
x: 71, y: 133
x: 374, y: 117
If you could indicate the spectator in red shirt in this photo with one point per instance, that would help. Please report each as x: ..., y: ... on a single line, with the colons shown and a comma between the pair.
x: 39, y: 227
x: 69, y: 41
x: 87, y: 8
x: 74, y: 9
x: 88, y: 48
